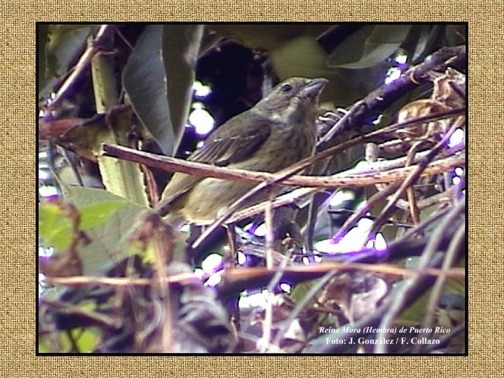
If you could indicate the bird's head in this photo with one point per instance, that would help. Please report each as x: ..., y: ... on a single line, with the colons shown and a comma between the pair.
x: 293, y: 100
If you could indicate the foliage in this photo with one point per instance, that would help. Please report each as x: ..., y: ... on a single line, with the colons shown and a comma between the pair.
x: 120, y: 279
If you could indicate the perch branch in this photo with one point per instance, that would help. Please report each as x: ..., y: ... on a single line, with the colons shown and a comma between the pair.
x: 343, y: 179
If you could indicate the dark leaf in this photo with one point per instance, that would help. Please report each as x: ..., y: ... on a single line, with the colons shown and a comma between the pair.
x: 427, y: 35
x: 456, y: 34
x: 181, y: 44
x: 368, y: 46
x: 58, y: 46
x: 144, y: 80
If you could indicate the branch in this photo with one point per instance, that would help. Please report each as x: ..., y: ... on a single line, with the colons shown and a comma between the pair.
x: 378, y: 100
x: 183, y: 279
x: 85, y: 60
x: 238, y: 279
x: 295, y: 195
x: 343, y: 179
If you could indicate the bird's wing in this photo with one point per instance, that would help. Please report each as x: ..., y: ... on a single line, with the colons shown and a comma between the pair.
x: 233, y: 142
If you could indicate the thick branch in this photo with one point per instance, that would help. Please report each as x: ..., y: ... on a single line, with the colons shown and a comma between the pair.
x: 343, y: 179
x: 378, y: 100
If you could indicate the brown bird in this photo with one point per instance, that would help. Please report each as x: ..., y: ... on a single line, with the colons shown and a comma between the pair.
x: 272, y: 135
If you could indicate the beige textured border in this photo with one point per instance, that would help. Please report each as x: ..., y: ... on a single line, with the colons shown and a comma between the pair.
x: 17, y: 167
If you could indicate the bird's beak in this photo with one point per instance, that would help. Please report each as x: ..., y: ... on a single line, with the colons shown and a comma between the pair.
x: 315, y: 87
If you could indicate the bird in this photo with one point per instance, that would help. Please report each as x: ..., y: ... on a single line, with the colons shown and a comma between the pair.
x: 275, y: 133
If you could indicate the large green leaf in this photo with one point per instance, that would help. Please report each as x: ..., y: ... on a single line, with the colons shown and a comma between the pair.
x: 107, y: 220
x: 144, y: 80
x: 158, y: 79
x: 181, y: 45
x: 303, y: 56
x: 268, y: 36
x: 84, y: 340
x: 104, y: 217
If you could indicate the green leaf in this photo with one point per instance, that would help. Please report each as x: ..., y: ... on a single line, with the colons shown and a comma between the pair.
x: 55, y: 227
x: 301, y: 56
x: 97, y: 214
x: 350, y: 49
x: 144, y: 80
x: 45, y: 345
x: 122, y: 177
x: 86, y: 339
x: 268, y: 36
x: 64, y: 41
x: 181, y: 45
x: 104, y: 82
x: 108, y: 220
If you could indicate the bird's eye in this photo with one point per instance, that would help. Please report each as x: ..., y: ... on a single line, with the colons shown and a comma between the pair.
x: 286, y: 88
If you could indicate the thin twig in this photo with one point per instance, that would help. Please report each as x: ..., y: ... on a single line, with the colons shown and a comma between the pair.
x: 419, y: 170
x: 284, y: 199
x: 390, y: 222
x: 377, y: 197
x: 264, y: 342
x: 300, y: 305
x: 411, y: 284
x: 273, y: 346
x: 451, y: 255
x: 410, y: 191
x: 83, y: 63
x: 447, y: 196
x: 389, y: 208
x: 422, y: 226
x: 268, y: 221
x: 183, y: 278
x: 352, y: 182
x: 324, y: 267
x: 313, y: 215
